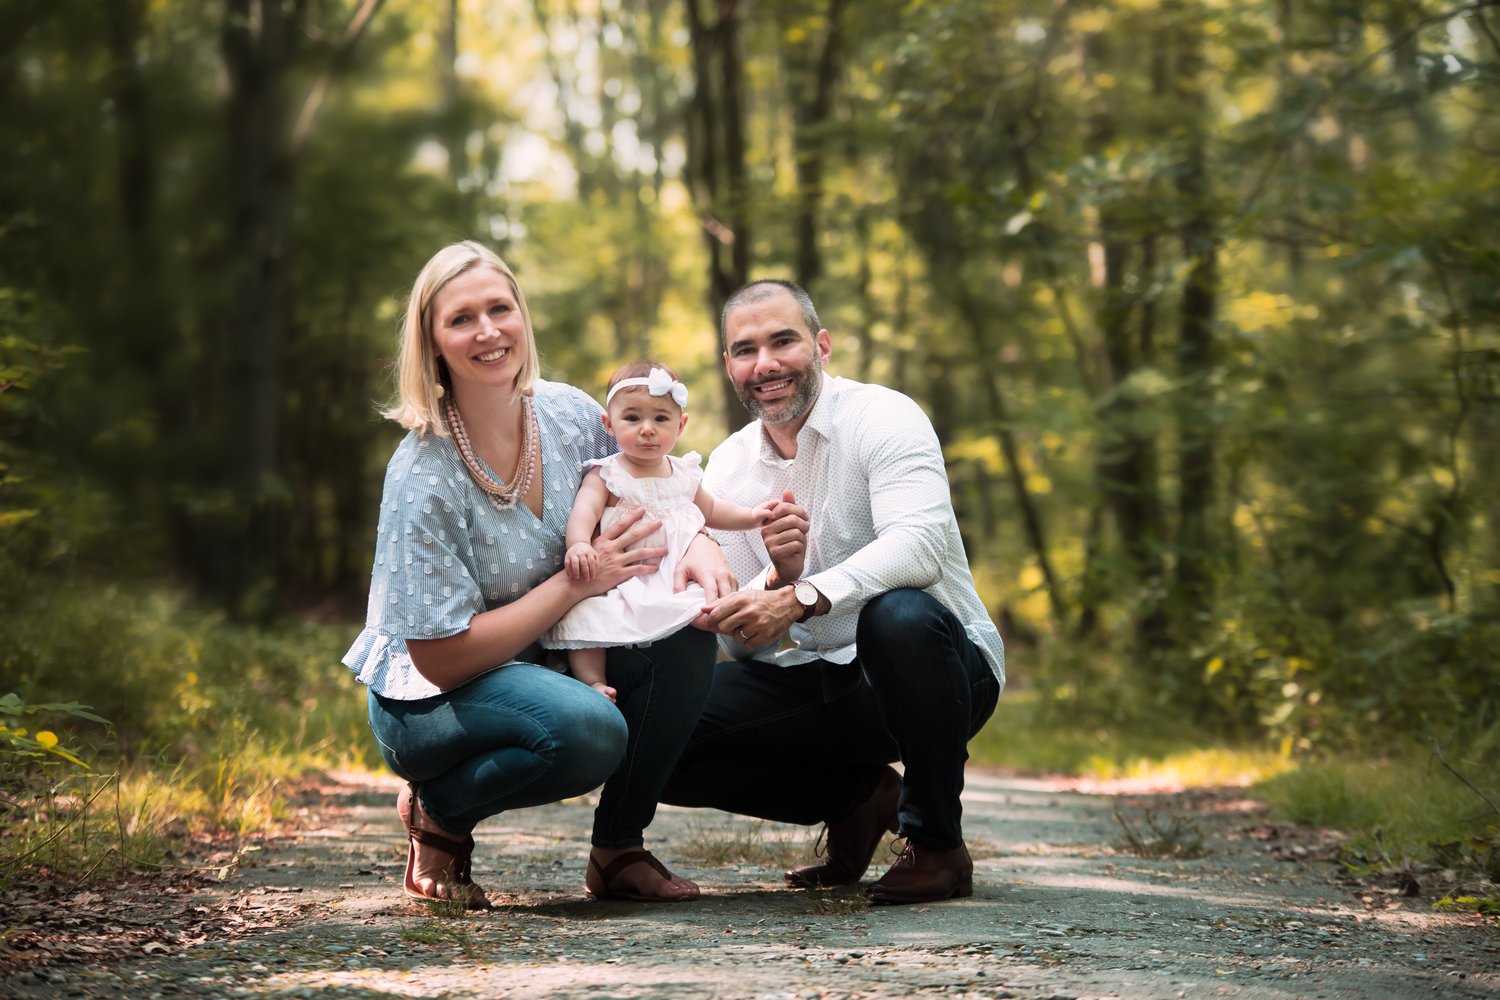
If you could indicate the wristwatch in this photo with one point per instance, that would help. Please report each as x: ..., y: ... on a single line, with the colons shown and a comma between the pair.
x: 807, y: 596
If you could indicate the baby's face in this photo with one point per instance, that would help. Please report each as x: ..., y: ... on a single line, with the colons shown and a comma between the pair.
x: 646, y: 426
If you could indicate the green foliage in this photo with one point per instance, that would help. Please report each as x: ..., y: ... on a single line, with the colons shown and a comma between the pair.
x: 211, y: 722
x: 1405, y: 807
x: 1306, y: 680
x: 1078, y: 711
x: 25, y: 746
x: 179, y: 683
x: 1486, y: 906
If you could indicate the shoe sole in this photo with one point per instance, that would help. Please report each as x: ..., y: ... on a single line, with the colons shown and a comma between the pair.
x: 964, y: 889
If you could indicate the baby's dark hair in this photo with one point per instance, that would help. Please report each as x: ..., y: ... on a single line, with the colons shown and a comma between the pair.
x: 637, y: 369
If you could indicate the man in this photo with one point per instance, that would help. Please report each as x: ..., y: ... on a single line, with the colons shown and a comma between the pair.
x: 892, y: 654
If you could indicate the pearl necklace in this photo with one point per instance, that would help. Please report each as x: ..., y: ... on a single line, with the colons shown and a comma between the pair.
x: 500, y: 497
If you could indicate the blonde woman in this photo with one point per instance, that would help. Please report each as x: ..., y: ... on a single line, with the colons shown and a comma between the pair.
x: 468, y: 575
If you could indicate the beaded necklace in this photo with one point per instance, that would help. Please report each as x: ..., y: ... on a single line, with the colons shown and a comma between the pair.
x: 501, y: 497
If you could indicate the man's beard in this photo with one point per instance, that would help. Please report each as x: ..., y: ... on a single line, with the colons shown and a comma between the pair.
x: 805, y: 386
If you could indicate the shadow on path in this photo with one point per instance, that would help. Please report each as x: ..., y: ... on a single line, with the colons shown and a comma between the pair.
x: 1058, y: 911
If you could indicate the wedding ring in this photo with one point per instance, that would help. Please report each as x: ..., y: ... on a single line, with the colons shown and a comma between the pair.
x: 741, y: 633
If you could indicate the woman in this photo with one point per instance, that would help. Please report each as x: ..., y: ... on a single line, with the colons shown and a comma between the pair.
x: 468, y: 575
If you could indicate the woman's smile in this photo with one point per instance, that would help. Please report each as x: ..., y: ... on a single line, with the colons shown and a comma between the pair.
x: 478, y: 329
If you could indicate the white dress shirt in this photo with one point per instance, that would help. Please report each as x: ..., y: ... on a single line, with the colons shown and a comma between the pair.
x: 869, y: 470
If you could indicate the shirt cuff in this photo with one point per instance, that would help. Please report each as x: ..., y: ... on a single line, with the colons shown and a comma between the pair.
x: 837, y: 586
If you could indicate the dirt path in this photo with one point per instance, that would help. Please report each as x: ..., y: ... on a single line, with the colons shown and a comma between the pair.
x: 1058, y: 912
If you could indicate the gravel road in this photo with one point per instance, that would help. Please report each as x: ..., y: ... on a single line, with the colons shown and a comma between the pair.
x: 1060, y: 910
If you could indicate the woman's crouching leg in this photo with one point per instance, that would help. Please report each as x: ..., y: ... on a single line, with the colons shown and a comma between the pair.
x: 519, y: 736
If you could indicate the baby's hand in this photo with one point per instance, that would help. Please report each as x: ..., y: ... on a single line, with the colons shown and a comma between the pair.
x: 582, y: 561
x: 762, y: 513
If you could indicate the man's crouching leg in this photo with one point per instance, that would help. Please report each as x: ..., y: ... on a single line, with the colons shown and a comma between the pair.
x: 934, y: 690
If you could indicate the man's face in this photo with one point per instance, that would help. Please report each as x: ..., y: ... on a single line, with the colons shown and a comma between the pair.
x: 774, y: 362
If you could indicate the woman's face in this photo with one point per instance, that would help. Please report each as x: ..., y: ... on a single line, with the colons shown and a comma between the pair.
x: 478, y: 330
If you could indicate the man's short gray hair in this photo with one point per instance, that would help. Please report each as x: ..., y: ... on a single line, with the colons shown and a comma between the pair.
x: 769, y: 288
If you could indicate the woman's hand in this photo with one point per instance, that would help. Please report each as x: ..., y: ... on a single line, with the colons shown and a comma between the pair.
x: 617, y: 561
x: 498, y: 635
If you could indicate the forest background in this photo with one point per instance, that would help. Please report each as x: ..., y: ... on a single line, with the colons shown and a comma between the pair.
x: 1203, y: 299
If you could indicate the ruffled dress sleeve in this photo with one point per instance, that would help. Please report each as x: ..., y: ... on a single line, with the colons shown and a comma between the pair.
x: 421, y: 586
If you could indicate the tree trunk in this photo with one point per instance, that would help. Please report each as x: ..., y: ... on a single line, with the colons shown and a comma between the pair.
x: 259, y: 190
x: 812, y: 114
x: 716, y: 168
x: 454, y: 125
x: 1193, y: 586
x: 1124, y: 461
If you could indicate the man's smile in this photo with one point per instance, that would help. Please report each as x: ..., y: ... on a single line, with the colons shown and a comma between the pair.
x: 772, y: 386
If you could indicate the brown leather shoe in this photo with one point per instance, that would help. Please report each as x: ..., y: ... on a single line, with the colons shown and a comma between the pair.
x: 923, y: 875
x: 853, y: 839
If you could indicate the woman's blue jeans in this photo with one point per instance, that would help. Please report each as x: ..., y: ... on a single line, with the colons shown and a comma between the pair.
x: 525, y: 735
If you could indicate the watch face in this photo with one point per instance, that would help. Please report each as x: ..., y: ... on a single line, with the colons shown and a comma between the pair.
x: 806, y: 593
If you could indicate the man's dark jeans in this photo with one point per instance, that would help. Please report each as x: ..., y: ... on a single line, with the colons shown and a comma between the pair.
x: 807, y: 743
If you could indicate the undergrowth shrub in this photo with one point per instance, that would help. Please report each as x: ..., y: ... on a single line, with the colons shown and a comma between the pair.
x: 1434, y: 803
x: 1309, y: 683
x: 209, y: 721
x: 179, y: 682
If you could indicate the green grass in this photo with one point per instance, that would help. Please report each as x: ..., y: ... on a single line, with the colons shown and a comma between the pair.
x: 1029, y: 735
x: 1401, y: 809
x: 209, y: 723
x: 1398, y: 808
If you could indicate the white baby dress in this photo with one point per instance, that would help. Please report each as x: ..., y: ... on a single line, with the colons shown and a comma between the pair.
x: 643, y: 608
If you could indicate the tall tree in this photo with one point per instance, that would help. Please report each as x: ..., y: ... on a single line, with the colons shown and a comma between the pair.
x: 813, y: 53
x: 260, y: 45
x: 716, y: 162
x: 1195, y: 336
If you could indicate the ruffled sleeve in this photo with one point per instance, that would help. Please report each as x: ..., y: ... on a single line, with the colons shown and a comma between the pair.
x: 616, y: 479
x: 690, y: 468
x: 421, y: 587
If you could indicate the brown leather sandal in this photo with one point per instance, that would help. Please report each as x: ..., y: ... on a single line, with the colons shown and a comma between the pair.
x: 608, y: 873
x: 469, y: 894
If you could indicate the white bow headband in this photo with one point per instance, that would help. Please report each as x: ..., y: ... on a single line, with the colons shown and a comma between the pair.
x: 658, y: 383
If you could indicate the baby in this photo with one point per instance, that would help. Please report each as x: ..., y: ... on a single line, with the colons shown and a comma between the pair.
x: 644, y: 408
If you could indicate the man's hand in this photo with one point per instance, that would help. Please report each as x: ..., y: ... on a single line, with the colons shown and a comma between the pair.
x: 753, y: 617
x: 704, y: 564
x: 786, y: 540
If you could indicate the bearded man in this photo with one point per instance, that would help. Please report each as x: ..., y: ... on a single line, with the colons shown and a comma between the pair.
x: 859, y: 639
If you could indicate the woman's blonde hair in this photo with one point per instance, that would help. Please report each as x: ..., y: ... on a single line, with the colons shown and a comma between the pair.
x: 417, y: 363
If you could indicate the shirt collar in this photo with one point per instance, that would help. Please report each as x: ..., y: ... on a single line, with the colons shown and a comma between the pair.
x: 819, y: 421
